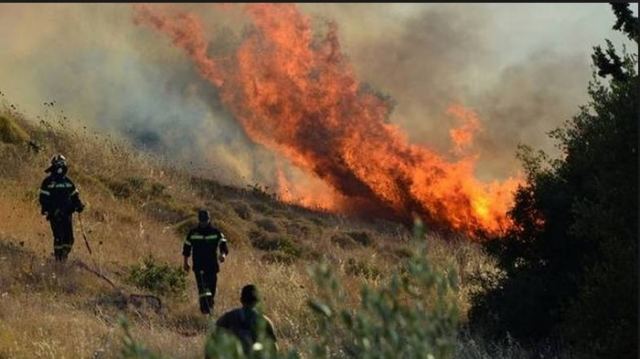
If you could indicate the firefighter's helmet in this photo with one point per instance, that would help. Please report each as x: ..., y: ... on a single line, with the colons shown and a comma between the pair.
x: 58, y: 162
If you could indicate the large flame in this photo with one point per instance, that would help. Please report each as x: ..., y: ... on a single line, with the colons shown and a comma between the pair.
x: 298, y: 95
x: 462, y: 136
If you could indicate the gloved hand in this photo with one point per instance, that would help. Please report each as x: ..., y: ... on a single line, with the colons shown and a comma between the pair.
x: 221, y: 258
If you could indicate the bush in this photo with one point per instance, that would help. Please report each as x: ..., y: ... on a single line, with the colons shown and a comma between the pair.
x: 343, y: 241
x: 268, y: 225
x: 411, y: 316
x: 283, y: 244
x: 570, y: 262
x: 362, y: 269
x: 298, y: 229
x: 167, y: 210
x: 361, y: 237
x: 10, y: 132
x: 262, y: 208
x: 242, y: 210
x: 139, y: 187
x: 159, y: 278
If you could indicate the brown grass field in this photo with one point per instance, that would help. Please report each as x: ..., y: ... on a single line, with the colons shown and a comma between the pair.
x: 138, y: 206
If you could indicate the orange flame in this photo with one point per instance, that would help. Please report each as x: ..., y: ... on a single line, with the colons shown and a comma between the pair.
x: 462, y: 137
x: 298, y: 95
x: 308, y: 195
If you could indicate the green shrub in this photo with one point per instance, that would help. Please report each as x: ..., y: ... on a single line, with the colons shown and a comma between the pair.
x: 157, y: 277
x: 411, y: 316
x: 571, y: 260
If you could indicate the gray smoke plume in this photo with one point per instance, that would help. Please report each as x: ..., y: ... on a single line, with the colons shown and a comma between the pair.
x: 522, y: 68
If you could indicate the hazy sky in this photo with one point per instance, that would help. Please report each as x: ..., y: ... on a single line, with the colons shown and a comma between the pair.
x: 523, y: 67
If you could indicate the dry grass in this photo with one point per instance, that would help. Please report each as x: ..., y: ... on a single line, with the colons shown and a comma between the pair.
x: 137, y: 206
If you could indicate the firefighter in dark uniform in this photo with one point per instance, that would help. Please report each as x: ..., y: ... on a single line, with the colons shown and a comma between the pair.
x: 254, y: 330
x: 207, y: 245
x: 59, y: 198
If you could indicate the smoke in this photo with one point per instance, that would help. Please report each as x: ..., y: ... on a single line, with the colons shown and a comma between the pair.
x: 521, y: 80
x: 103, y: 71
x: 523, y: 68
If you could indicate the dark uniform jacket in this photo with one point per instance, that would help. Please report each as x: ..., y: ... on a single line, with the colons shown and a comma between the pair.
x: 59, y: 196
x: 204, y: 243
x: 243, y: 323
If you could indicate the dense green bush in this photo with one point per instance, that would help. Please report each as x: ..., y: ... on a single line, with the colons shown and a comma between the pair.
x: 411, y: 316
x: 571, y: 260
x: 157, y: 277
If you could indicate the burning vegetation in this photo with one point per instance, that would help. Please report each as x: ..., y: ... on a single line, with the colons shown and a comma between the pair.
x: 296, y: 93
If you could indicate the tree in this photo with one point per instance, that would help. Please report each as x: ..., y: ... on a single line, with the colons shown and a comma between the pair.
x: 570, y: 262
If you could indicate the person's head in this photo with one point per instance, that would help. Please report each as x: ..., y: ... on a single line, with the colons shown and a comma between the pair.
x: 58, y: 165
x: 203, y: 218
x: 249, y: 296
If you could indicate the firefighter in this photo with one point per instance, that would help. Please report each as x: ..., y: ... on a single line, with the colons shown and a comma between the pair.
x: 207, y: 245
x: 253, y: 329
x: 59, y: 198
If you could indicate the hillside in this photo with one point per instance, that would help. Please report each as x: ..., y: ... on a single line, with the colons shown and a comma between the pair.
x: 138, y: 207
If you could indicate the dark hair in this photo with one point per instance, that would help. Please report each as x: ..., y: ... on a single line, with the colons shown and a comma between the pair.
x: 249, y: 295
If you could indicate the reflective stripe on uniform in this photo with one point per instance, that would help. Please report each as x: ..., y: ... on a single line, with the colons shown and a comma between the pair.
x: 74, y: 192
x: 212, y: 236
x: 61, y: 246
x: 222, y: 238
x: 45, y: 192
x: 196, y: 236
x: 187, y: 242
x: 206, y: 294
